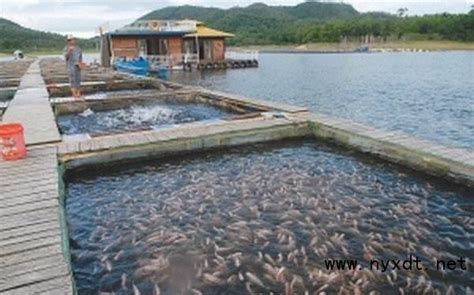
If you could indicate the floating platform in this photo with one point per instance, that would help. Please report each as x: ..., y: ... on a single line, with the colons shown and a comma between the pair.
x: 225, y: 64
x: 34, y: 248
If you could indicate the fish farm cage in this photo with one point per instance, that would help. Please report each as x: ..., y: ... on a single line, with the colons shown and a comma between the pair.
x: 150, y: 187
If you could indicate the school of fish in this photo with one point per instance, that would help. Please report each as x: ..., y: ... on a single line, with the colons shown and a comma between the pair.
x: 263, y: 219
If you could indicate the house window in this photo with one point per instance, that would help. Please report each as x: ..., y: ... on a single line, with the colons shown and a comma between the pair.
x: 157, y: 46
x: 142, y: 47
x: 163, y: 46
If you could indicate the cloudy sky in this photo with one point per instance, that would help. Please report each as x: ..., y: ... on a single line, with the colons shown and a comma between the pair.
x: 81, y: 17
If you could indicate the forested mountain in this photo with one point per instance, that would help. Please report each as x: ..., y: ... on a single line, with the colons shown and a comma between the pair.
x: 233, y: 16
x: 314, y: 21
x: 14, y: 36
x: 260, y: 24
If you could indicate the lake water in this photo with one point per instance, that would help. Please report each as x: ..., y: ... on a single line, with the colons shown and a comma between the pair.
x: 429, y: 95
x: 261, y: 219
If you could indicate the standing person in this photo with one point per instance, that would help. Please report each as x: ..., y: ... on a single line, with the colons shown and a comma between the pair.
x: 73, y: 56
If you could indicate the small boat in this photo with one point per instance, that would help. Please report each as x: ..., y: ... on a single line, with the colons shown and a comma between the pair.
x: 137, y: 66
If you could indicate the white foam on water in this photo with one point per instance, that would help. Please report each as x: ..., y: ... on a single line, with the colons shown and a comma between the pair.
x: 137, y: 116
x: 87, y: 113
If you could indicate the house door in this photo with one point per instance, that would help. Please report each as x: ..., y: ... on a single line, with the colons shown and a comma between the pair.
x: 205, y: 50
x: 201, y: 50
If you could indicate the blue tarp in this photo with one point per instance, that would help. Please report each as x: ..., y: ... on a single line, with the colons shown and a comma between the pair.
x: 138, y: 66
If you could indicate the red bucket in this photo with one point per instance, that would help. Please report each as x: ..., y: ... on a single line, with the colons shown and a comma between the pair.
x: 12, y: 141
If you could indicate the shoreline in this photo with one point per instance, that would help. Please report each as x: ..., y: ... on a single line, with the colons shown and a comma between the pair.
x: 319, y: 48
x: 399, y: 46
x: 348, y: 47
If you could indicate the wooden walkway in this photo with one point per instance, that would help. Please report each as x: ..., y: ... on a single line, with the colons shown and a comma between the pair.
x: 33, y: 245
x: 31, y: 107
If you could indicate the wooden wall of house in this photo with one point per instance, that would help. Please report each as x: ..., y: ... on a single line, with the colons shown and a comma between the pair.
x: 175, y: 48
x: 218, y: 49
x: 124, y: 47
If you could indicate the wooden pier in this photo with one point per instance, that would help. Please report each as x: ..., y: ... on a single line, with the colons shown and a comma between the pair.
x: 33, y: 236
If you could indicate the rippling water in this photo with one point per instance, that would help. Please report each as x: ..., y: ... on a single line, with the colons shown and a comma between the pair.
x: 137, y: 117
x: 429, y: 95
x: 263, y: 218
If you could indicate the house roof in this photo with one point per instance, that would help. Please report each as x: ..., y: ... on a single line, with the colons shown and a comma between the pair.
x: 203, y: 31
x: 146, y: 33
x: 188, y: 28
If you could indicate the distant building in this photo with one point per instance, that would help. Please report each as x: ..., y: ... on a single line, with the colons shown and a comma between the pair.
x: 169, y: 42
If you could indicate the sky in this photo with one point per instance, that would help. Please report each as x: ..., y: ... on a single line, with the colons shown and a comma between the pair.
x: 82, y: 17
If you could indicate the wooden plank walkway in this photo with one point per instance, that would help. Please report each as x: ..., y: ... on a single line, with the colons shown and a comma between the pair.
x: 32, y: 259
x: 258, y: 103
x: 452, y: 163
x: 31, y: 107
x: 33, y: 245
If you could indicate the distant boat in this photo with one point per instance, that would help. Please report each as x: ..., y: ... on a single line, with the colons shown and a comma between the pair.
x: 137, y: 66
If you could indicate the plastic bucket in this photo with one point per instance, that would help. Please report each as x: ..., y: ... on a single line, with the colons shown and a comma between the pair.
x: 12, y: 141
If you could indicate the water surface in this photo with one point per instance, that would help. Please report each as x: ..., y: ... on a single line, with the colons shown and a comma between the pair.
x: 6, y: 95
x: 261, y: 219
x: 429, y: 95
x: 137, y: 117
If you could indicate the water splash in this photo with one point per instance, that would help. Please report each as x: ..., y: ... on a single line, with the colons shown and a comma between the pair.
x: 137, y: 117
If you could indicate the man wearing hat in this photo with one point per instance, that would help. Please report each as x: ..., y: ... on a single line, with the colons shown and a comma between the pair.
x: 73, y: 55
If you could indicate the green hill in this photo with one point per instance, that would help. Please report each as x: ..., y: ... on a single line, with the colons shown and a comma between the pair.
x: 258, y: 23
x: 304, y: 11
x: 313, y: 21
x: 261, y: 24
x: 13, y: 36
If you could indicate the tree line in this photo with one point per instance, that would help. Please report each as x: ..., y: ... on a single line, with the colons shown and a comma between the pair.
x: 366, y: 27
x: 260, y: 24
x: 14, y: 36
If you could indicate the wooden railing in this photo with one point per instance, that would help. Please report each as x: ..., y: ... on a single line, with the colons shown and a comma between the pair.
x: 242, y: 55
x: 173, y: 59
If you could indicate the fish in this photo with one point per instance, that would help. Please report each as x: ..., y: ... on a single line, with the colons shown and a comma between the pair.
x: 136, y: 291
x: 254, y: 279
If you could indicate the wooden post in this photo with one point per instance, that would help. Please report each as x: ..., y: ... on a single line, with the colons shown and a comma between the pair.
x: 197, y: 48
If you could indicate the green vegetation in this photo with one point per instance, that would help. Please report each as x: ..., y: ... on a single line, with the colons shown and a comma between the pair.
x: 14, y: 36
x: 259, y: 24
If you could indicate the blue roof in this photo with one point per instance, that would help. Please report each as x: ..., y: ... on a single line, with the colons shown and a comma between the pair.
x: 145, y: 33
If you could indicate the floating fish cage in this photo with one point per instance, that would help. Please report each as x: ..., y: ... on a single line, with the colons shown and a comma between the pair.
x: 120, y: 111
x: 10, y: 77
x: 262, y: 219
x: 11, y: 72
x: 136, y: 116
x: 173, y: 189
x: 189, y: 217
x: 7, y: 94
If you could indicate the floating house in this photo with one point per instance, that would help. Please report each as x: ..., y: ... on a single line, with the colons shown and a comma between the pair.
x: 169, y: 42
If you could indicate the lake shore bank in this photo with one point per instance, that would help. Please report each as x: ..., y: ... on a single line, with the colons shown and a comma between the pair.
x: 398, y: 46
